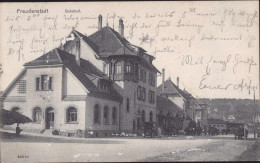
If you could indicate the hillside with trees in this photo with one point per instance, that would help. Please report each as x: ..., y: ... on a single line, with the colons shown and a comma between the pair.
x: 241, y: 109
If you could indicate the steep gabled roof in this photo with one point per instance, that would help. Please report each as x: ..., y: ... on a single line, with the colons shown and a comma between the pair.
x: 4, y: 93
x: 85, y: 66
x: 89, y: 68
x: 166, y: 104
x: 188, y: 95
x: 50, y: 58
x: 170, y: 89
x: 111, y: 42
x: 88, y: 41
x: 58, y: 56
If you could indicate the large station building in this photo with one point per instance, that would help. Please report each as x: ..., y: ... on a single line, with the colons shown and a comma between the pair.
x: 100, y: 84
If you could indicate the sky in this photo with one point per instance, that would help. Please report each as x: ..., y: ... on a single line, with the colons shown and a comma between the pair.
x: 211, y: 46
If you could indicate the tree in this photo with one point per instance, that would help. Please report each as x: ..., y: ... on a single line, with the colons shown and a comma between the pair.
x: 11, y: 117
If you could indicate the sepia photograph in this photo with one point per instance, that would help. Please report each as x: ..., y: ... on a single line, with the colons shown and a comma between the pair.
x: 143, y: 81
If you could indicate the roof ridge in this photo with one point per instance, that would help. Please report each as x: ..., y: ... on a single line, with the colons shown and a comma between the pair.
x: 121, y: 41
x: 177, y: 88
x: 115, y: 36
x: 58, y: 54
x: 88, y: 41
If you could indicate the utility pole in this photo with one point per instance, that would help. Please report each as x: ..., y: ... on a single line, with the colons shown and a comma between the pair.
x: 254, y: 118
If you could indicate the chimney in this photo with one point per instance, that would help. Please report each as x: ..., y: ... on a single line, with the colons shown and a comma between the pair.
x: 77, y: 56
x: 178, y: 82
x: 163, y: 78
x: 121, y: 27
x: 99, y: 22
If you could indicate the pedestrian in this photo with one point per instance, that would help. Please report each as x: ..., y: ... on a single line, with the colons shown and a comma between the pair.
x: 159, y: 132
x: 18, y: 131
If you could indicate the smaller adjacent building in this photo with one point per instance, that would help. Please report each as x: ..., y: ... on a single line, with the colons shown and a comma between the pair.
x: 218, y: 124
x: 169, y: 115
x: 223, y: 125
x: 200, y: 112
x: 192, y: 108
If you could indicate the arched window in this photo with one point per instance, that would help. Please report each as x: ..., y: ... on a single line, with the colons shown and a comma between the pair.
x: 151, y: 117
x: 16, y: 109
x: 72, y: 114
x: 143, y: 116
x: 114, y: 116
x: 96, y: 114
x: 106, y: 115
x: 37, y: 114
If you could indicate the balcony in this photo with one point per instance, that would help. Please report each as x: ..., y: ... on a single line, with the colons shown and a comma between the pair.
x: 125, y: 77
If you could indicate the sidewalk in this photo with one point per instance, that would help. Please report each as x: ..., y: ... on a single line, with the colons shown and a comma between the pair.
x: 180, y: 137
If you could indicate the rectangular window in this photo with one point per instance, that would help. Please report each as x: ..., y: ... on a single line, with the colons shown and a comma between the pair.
x: 151, y: 97
x: 105, y: 68
x: 37, y: 84
x: 152, y: 79
x: 139, y: 92
x: 144, y: 76
x: 144, y: 94
x: 118, y: 69
x: 127, y: 105
x: 44, y: 83
x: 140, y: 74
x: 50, y: 83
x: 21, y: 86
x: 128, y: 68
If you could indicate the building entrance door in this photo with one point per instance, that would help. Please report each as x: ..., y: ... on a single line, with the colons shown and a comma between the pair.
x: 49, y: 118
x: 134, y: 127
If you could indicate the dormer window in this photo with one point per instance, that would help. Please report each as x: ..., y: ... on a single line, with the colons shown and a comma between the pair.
x: 103, y: 85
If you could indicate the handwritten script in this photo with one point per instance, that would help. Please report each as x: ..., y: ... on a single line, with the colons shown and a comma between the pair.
x: 218, y: 42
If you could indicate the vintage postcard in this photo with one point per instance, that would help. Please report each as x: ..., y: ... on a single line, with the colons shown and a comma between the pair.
x: 129, y: 81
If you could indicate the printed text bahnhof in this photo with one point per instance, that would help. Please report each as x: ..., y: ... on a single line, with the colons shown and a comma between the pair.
x: 40, y: 11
